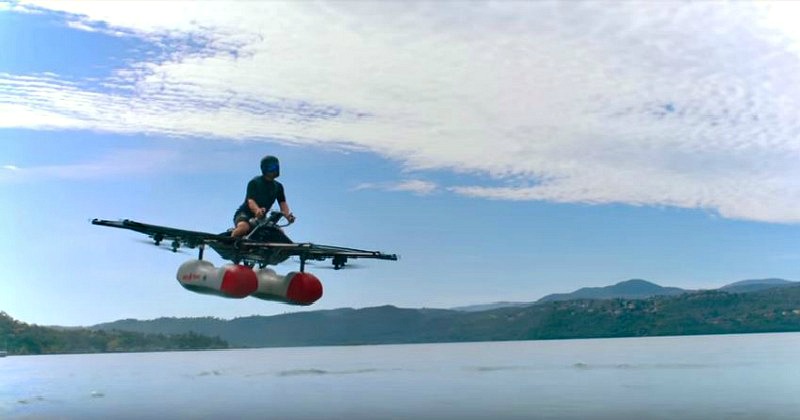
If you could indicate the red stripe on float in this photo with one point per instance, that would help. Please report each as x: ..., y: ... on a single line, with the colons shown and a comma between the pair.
x: 304, y: 289
x: 239, y: 281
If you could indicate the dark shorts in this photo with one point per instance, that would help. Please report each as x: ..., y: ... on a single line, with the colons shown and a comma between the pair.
x: 241, y: 216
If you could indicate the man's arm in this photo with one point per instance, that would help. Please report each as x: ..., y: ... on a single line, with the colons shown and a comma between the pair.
x: 252, y: 205
x: 259, y: 212
x: 281, y: 198
x: 286, y: 212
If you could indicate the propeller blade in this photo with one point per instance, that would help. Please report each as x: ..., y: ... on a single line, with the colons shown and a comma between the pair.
x: 165, y: 245
x: 348, y: 266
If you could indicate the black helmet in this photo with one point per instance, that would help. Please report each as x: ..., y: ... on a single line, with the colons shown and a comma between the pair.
x: 270, y: 164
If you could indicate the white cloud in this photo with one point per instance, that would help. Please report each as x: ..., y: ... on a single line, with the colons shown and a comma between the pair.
x: 415, y: 186
x: 82, y: 26
x: 681, y: 104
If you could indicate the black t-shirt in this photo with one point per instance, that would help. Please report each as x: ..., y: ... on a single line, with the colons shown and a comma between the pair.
x: 263, y: 192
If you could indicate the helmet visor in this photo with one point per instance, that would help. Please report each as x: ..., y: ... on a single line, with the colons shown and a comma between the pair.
x: 272, y: 167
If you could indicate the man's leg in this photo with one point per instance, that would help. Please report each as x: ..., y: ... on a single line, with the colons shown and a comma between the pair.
x: 241, y: 229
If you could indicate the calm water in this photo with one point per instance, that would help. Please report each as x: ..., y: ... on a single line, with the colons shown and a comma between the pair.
x: 737, y: 376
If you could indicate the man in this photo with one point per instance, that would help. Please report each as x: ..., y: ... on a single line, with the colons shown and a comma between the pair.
x: 262, y: 191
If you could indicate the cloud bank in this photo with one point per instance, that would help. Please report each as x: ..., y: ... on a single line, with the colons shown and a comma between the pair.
x: 416, y: 186
x: 690, y: 105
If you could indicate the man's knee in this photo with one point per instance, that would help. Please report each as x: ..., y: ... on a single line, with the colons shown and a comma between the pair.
x: 241, y: 228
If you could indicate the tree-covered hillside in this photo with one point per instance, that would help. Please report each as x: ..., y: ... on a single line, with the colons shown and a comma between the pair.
x: 705, y: 312
x: 20, y: 338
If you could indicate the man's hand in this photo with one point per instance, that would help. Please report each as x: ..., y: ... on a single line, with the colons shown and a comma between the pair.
x: 290, y: 217
x: 261, y: 212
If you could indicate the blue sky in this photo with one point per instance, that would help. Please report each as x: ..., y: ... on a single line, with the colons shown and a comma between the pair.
x: 505, y: 150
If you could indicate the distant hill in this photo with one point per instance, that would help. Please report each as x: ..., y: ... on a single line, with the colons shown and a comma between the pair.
x: 21, y: 338
x: 630, y: 308
x: 490, y: 306
x: 383, y: 324
x: 702, y: 312
x: 746, y: 286
x: 631, y: 289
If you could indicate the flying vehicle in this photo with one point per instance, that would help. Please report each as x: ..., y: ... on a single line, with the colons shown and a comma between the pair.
x: 248, y: 274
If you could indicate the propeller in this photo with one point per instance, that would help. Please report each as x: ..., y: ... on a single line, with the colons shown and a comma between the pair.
x: 328, y: 265
x: 348, y: 266
x: 165, y: 245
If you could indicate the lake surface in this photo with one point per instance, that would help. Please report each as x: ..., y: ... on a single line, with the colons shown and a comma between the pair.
x: 754, y: 376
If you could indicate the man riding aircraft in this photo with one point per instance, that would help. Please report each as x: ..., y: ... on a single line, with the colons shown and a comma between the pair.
x: 256, y: 240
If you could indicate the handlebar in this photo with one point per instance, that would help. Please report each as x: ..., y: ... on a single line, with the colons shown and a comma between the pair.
x: 271, y: 220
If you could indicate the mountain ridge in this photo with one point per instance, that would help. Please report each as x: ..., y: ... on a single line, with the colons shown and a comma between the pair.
x: 620, y: 310
x: 694, y: 312
x: 633, y: 288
